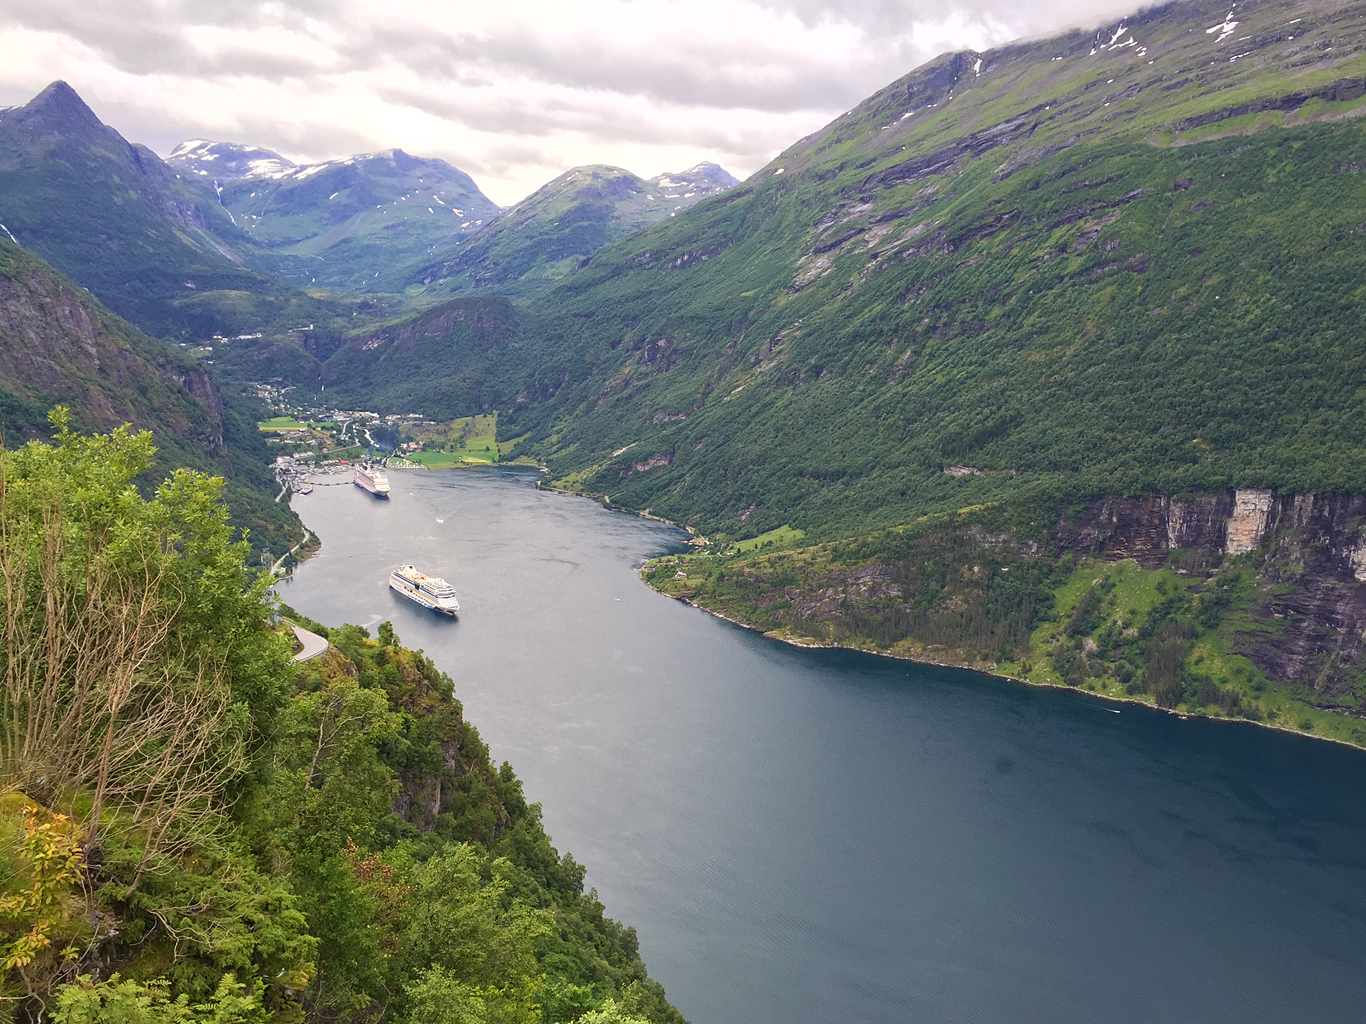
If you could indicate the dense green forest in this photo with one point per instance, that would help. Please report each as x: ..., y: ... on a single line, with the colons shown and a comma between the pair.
x: 198, y: 828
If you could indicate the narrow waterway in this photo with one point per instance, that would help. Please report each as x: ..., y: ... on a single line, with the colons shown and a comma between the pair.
x: 823, y: 836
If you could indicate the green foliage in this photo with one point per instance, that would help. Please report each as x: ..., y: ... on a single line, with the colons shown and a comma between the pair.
x: 440, y: 997
x: 933, y: 587
x: 327, y: 782
x: 330, y: 843
x: 43, y: 870
x: 610, y: 1013
x: 118, y: 1001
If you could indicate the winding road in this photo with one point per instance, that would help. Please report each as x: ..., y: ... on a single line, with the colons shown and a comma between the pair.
x: 314, y: 644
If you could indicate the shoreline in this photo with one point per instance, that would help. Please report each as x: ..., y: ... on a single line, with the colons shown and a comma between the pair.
x: 693, y: 539
x: 1184, y: 715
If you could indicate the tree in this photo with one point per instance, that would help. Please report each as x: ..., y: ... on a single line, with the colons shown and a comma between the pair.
x: 137, y: 669
x: 131, y: 1002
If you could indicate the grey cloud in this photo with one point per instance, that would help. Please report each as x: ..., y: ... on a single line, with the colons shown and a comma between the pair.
x: 143, y: 37
x: 697, y: 92
x: 881, y: 16
x: 162, y: 132
x: 499, y: 160
x: 725, y: 74
x: 545, y: 117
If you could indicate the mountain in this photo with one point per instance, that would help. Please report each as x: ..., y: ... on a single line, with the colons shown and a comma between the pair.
x: 548, y: 234
x: 157, y: 249
x: 58, y: 345
x: 1105, y: 262
x: 344, y: 223
x: 219, y: 163
x: 692, y: 186
x: 1090, y: 297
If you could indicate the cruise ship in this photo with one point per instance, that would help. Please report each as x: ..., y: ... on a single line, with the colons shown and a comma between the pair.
x: 429, y: 591
x: 372, y: 478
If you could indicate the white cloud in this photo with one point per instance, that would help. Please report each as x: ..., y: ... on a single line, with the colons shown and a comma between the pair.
x: 513, y: 93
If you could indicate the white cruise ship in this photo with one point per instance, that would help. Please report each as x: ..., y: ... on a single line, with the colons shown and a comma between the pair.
x: 372, y: 478
x: 429, y: 591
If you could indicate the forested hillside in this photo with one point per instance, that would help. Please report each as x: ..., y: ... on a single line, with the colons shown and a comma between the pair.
x: 200, y: 828
x: 58, y: 345
x: 1040, y: 267
x: 1011, y: 288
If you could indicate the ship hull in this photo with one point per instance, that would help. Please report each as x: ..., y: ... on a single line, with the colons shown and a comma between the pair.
x: 382, y: 495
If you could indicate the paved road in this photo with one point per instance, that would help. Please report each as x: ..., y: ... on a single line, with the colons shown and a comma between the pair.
x: 314, y: 645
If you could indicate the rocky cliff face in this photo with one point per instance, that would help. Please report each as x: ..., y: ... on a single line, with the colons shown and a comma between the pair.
x: 1308, y: 627
x: 56, y: 345
x: 1276, y: 578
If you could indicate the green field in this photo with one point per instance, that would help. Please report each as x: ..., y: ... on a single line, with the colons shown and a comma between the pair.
x: 281, y: 423
x: 467, y: 441
x: 779, y: 538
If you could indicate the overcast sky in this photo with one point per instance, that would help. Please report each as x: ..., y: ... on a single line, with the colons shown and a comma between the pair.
x: 514, y: 92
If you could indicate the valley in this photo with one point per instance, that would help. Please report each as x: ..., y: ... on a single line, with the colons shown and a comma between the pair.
x: 1017, y: 414
x: 1111, y: 266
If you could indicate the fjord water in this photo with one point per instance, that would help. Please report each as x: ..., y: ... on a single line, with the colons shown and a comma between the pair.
x: 825, y: 836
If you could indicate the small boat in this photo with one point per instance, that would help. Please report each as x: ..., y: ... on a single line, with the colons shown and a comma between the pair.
x: 372, y: 478
x: 429, y: 591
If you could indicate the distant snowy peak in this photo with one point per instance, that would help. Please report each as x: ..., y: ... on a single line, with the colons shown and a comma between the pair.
x: 223, y: 163
x: 228, y: 161
x: 702, y: 179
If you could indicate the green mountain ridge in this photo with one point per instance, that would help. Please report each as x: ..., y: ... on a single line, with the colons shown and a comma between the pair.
x: 157, y: 250
x: 983, y: 265
x: 1011, y: 289
x: 547, y: 235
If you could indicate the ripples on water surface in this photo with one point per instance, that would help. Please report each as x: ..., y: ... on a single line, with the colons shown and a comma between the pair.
x: 824, y: 836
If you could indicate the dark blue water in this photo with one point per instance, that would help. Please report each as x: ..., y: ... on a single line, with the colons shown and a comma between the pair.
x: 823, y: 836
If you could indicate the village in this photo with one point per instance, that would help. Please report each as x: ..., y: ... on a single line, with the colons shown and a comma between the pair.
x: 315, y: 440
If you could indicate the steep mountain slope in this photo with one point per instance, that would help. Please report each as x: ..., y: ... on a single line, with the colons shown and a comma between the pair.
x: 1081, y: 265
x: 1096, y: 264
x: 440, y: 363
x: 548, y: 234
x: 342, y: 224
x: 59, y: 346
x: 113, y: 216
